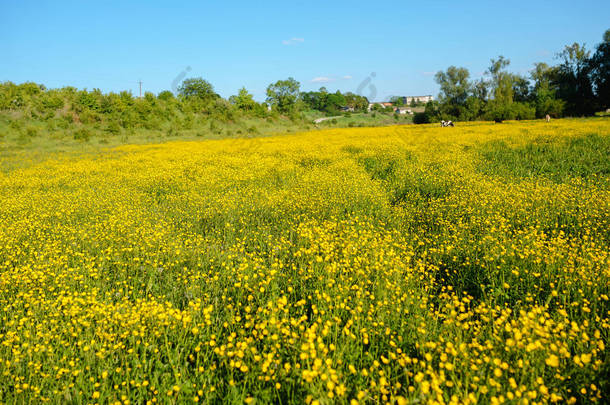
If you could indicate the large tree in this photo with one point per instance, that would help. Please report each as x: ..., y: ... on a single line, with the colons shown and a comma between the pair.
x: 243, y: 100
x: 501, y: 81
x: 454, y: 85
x: 197, y: 88
x: 454, y: 90
x: 544, y: 91
x: 600, y: 71
x: 573, y: 80
x: 284, y: 95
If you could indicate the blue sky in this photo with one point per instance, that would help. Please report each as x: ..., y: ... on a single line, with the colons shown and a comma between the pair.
x: 112, y: 45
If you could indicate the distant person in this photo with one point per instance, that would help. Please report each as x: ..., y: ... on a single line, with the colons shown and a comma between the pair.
x: 547, y: 118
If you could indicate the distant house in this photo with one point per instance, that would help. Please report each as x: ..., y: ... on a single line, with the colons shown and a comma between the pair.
x: 381, y: 104
x: 403, y: 110
x: 347, y: 109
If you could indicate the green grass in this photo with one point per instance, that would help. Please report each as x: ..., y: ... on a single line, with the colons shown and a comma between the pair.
x: 21, y: 134
x: 582, y: 156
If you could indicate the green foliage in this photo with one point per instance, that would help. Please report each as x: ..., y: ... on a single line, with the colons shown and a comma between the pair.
x: 197, y: 88
x: 284, y: 95
x: 31, y: 132
x: 584, y: 156
x: 579, y: 85
x: 600, y: 71
x: 501, y: 81
x: 82, y: 134
x: 113, y: 128
x: 421, y: 118
x: 166, y: 95
x: 244, y: 100
x: 454, y: 85
x: 573, y: 80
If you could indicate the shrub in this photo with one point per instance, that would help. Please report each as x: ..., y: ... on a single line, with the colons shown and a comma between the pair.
x: 215, y: 128
x: 82, y: 134
x: 173, y: 131
x: 421, y: 118
x: 17, y: 125
x: 113, y: 127
x: 32, y: 132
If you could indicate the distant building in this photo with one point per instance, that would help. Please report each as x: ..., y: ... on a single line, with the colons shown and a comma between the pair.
x: 382, y: 104
x: 418, y: 99
x: 403, y: 110
x: 406, y: 100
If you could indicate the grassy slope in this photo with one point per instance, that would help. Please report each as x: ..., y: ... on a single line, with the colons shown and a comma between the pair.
x: 37, y: 139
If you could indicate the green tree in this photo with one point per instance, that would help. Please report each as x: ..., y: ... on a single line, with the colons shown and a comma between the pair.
x: 455, y: 88
x: 284, y: 95
x: 480, y: 89
x: 197, y: 88
x: 454, y: 85
x: 501, y: 81
x: 600, y: 71
x: 544, y: 91
x: 243, y: 100
x: 166, y: 95
x: 397, y: 101
x: 573, y: 80
x: 521, y: 88
x: 357, y: 102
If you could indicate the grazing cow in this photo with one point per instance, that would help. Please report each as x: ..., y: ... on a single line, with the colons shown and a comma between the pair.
x: 447, y: 124
x: 547, y: 118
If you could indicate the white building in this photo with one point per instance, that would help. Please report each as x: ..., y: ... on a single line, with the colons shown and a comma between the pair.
x: 418, y: 99
x: 403, y: 110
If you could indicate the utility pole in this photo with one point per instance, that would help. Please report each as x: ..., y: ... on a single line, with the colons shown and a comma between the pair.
x: 140, y: 82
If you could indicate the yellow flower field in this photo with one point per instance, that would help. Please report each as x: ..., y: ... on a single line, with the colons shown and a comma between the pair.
x: 409, y: 264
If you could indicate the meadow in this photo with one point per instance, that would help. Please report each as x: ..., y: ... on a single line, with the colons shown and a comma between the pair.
x: 404, y: 264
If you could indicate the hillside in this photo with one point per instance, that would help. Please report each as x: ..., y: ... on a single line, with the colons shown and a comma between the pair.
x: 35, y: 118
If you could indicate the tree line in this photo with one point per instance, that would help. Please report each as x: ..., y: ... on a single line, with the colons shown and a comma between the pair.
x: 194, y: 102
x: 579, y: 85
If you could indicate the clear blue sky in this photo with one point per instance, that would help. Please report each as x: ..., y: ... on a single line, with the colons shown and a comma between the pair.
x: 112, y: 45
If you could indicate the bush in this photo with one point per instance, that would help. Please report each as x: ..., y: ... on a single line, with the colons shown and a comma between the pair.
x: 421, y: 118
x: 82, y: 134
x: 166, y: 95
x: 113, y: 127
x: 31, y: 132
x: 16, y: 125
x: 523, y: 111
x: 215, y: 128
x: 173, y: 131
